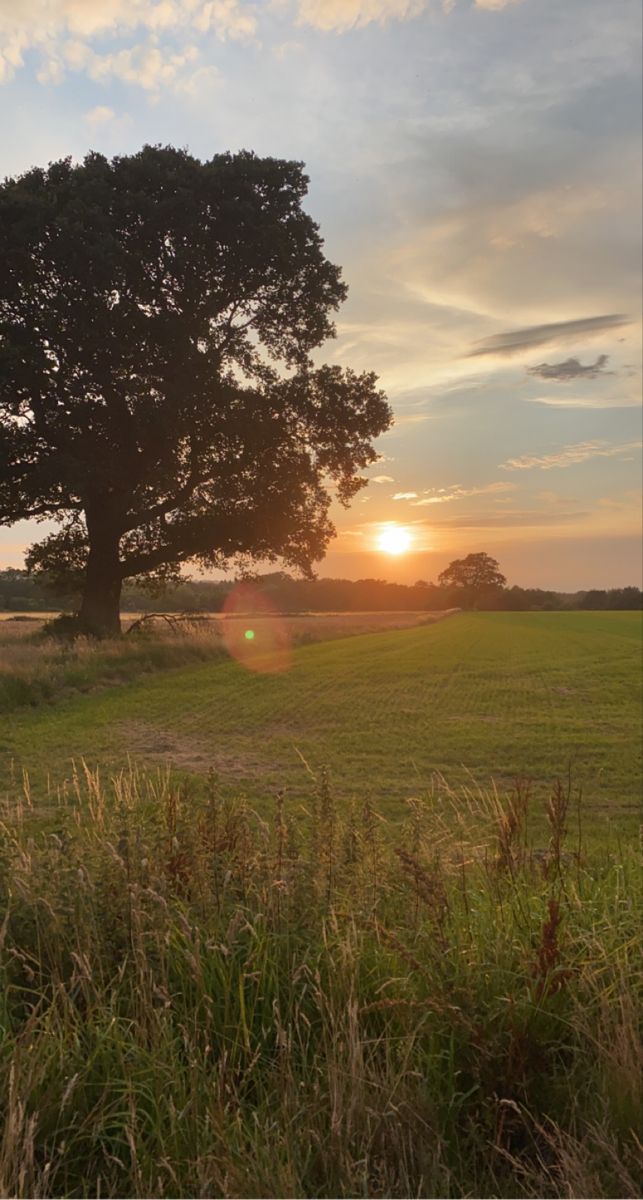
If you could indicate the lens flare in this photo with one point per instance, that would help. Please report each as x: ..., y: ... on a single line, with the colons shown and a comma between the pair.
x: 263, y: 646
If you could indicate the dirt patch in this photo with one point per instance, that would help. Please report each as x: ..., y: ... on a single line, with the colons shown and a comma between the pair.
x: 198, y: 755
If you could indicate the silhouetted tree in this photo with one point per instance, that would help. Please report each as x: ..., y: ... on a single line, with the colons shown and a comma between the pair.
x: 473, y: 578
x: 157, y: 396
x: 616, y: 598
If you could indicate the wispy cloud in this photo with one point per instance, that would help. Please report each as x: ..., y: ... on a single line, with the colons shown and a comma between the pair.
x: 405, y: 496
x: 340, y: 15
x: 102, y: 114
x: 495, y: 5
x: 382, y: 479
x: 456, y: 492
x: 571, y: 368
x: 587, y: 402
x: 524, y: 518
x: 569, y: 456
x: 516, y: 340
x: 402, y: 419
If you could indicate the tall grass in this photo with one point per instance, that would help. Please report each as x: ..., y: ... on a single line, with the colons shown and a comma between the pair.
x: 196, y: 1002
x: 36, y: 669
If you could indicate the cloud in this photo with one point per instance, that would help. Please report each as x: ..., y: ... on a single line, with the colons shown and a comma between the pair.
x: 571, y: 368
x: 456, y: 492
x: 495, y: 5
x: 382, y: 479
x: 55, y: 26
x: 43, y: 19
x: 285, y: 50
x: 25, y: 24
x: 341, y: 15
x: 538, y: 335
x: 408, y: 419
x: 144, y: 64
x: 496, y: 243
x: 587, y: 402
x: 101, y: 115
x: 200, y: 84
x: 405, y: 496
x: 52, y: 71
x: 525, y: 518
x: 569, y: 456
x: 228, y: 18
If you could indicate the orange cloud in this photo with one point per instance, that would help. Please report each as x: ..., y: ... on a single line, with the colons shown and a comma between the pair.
x: 569, y: 456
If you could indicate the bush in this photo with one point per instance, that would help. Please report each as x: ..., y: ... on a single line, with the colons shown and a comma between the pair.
x: 64, y: 628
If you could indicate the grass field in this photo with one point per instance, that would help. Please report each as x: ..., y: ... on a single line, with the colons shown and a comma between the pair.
x: 35, y: 667
x: 364, y: 983
x: 475, y: 697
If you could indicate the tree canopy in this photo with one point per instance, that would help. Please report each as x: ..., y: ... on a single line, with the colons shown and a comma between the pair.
x: 158, y: 398
x: 474, y: 574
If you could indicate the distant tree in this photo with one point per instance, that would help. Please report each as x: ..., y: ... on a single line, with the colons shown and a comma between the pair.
x: 594, y: 599
x: 616, y: 598
x: 473, y: 577
x: 627, y: 598
x: 516, y: 599
x: 157, y: 396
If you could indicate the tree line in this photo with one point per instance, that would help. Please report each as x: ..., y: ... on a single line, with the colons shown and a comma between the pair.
x: 21, y: 592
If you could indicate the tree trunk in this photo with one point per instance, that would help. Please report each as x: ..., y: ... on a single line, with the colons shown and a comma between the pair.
x: 99, y: 614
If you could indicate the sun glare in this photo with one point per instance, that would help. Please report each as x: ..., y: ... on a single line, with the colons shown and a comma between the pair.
x: 394, y: 540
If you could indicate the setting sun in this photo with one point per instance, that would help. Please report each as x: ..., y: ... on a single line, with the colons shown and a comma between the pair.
x: 394, y: 540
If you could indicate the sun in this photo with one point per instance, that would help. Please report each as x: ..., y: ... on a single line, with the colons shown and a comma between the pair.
x: 394, y: 540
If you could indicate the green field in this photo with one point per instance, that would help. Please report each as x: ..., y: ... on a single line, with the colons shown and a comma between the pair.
x: 480, y: 696
x: 199, y: 999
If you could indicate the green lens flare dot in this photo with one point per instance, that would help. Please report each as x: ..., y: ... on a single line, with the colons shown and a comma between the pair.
x: 249, y: 634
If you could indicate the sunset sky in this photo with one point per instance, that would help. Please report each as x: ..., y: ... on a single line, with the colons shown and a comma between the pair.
x: 475, y: 169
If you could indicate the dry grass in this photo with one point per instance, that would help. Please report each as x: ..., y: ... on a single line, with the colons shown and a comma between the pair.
x: 35, y: 668
x: 198, y: 1002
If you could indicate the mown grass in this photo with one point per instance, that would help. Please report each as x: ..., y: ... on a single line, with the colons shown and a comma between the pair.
x: 37, y: 667
x: 197, y: 1001
x: 474, y: 697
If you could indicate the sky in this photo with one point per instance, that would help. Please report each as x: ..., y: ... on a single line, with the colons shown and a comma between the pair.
x: 475, y: 168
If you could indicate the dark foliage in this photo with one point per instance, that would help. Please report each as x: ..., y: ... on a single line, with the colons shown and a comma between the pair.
x: 474, y: 575
x: 21, y: 592
x: 158, y: 399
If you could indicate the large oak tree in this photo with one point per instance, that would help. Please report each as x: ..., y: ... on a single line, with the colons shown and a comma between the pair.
x: 157, y: 395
